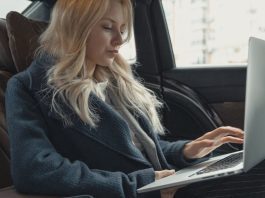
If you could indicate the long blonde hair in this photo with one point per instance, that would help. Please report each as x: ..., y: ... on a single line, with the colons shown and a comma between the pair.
x: 66, y: 38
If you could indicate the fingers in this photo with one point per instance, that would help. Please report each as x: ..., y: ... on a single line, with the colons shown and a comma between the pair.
x: 230, y: 139
x: 231, y: 131
x: 224, y: 131
x: 163, y: 173
x: 212, y: 140
x: 218, y: 141
x: 166, y: 173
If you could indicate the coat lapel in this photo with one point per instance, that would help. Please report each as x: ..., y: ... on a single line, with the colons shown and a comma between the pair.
x: 112, y: 131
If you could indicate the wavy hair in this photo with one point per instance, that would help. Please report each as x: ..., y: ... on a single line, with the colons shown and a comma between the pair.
x: 71, y: 77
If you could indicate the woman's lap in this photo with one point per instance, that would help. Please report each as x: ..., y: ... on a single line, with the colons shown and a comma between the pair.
x: 245, y: 185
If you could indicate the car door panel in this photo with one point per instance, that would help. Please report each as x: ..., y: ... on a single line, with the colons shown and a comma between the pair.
x: 221, y: 88
x: 214, y: 95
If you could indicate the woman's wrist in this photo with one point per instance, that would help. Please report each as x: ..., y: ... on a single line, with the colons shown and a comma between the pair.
x: 187, y: 154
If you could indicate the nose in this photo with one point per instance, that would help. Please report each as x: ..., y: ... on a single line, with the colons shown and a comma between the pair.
x: 117, y: 40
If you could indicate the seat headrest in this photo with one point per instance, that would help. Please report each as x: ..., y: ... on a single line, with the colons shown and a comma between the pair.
x: 23, y: 34
x: 6, y: 61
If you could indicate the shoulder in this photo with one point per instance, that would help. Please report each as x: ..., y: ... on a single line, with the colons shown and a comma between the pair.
x: 18, y: 80
x: 33, y: 77
x: 22, y: 87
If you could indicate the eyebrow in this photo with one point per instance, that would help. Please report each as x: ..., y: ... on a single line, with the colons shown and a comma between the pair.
x: 110, y: 19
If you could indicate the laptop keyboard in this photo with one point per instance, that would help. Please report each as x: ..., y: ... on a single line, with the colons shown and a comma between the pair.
x: 228, y: 162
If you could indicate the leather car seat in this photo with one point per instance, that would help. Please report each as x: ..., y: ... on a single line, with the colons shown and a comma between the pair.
x: 7, y: 69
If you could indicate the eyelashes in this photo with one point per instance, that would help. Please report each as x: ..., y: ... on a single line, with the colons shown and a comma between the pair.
x: 110, y: 29
x: 107, y: 28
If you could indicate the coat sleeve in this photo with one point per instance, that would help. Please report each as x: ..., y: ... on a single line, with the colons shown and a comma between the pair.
x: 173, y: 152
x: 38, y: 168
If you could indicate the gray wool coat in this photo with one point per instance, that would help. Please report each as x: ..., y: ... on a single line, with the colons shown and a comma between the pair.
x: 50, y: 158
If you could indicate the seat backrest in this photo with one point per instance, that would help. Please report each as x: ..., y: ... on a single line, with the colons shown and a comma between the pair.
x: 18, y: 41
x: 6, y: 71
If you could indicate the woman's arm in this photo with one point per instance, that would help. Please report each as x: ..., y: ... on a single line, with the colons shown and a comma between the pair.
x: 38, y: 168
x: 173, y: 152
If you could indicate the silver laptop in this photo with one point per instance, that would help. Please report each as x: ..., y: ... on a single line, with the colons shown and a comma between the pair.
x: 254, y: 127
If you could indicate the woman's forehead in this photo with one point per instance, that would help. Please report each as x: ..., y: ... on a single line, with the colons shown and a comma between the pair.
x: 115, y: 13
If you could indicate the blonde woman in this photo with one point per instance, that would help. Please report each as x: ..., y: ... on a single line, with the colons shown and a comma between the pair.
x: 80, y: 123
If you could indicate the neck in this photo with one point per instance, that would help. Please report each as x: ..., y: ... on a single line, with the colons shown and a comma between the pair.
x: 101, y: 74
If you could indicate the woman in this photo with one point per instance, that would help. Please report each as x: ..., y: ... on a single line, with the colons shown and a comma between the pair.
x: 80, y: 123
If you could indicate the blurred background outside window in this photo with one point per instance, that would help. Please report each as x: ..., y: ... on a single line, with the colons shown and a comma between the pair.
x: 213, y: 32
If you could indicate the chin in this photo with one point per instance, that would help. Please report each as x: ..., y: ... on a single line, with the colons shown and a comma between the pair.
x: 107, y: 63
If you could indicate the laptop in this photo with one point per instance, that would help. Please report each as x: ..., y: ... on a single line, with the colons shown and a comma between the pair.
x: 254, y: 127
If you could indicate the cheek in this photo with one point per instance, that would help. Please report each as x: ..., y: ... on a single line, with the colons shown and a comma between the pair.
x: 93, y: 49
x: 98, y: 43
x: 103, y: 39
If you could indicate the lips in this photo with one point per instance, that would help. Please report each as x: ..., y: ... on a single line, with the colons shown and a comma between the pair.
x: 114, y: 51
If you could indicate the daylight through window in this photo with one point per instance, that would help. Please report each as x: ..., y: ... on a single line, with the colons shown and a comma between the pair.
x: 213, y: 32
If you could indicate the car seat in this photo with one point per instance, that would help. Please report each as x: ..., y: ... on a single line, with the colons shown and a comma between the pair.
x: 10, y: 65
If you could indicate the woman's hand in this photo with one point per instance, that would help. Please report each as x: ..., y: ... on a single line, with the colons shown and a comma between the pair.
x: 210, y: 141
x: 169, y: 192
x: 163, y: 173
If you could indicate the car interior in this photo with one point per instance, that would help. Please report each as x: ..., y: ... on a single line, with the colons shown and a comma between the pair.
x: 196, y: 100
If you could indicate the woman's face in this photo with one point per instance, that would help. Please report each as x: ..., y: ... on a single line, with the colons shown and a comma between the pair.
x: 107, y: 36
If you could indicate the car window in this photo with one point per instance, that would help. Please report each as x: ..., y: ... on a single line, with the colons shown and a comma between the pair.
x: 128, y: 51
x: 12, y: 5
x: 213, y: 32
